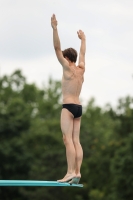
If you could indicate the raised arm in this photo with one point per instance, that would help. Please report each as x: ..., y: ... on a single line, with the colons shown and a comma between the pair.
x: 81, y: 36
x: 56, y: 42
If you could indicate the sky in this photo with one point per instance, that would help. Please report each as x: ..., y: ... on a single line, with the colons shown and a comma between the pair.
x: 26, y: 43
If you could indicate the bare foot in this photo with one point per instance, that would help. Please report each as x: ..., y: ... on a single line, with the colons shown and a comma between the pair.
x: 67, y: 178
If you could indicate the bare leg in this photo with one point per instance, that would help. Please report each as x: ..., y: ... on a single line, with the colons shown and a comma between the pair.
x: 77, y: 145
x: 67, y: 129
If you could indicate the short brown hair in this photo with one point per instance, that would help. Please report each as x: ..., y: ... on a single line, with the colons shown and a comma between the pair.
x: 71, y: 54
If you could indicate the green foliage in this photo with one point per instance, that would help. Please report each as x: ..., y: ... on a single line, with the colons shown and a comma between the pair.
x: 31, y: 144
x: 121, y: 168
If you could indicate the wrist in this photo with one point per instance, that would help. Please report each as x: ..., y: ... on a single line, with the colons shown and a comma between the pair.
x: 83, y: 40
x: 54, y: 28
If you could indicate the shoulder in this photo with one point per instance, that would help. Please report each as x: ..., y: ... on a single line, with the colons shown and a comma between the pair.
x: 81, y: 66
x: 65, y: 65
x: 61, y: 59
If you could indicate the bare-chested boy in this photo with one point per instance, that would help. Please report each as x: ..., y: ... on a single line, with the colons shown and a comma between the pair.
x: 72, y: 80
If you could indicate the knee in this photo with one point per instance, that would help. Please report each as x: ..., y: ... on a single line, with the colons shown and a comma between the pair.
x: 76, y: 142
x: 67, y: 140
x: 64, y: 139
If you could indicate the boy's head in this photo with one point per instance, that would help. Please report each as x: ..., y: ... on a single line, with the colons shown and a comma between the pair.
x: 71, y: 54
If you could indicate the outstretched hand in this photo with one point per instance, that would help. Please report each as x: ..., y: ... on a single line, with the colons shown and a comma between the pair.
x: 54, y: 22
x: 81, y: 34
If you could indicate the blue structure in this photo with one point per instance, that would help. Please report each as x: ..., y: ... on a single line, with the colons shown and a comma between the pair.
x: 35, y: 183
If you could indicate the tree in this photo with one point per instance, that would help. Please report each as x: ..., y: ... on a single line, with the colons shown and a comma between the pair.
x: 31, y: 143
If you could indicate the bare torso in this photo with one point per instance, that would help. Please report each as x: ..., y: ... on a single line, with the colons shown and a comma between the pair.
x: 72, y: 81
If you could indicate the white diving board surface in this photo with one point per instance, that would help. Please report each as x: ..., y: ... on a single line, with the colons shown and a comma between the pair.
x: 35, y: 183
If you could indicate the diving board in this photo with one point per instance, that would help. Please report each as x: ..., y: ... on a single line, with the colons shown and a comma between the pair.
x: 35, y: 183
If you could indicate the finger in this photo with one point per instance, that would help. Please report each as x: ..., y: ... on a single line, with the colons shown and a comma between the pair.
x: 54, y: 16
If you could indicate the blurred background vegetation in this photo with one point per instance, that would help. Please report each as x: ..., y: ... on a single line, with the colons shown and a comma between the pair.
x: 31, y: 146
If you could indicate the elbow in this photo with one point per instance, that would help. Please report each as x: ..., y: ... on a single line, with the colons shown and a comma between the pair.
x: 56, y: 48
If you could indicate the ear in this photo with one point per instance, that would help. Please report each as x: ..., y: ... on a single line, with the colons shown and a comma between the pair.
x: 66, y: 58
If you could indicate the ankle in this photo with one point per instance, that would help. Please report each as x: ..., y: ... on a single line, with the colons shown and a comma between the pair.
x: 71, y: 172
x: 78, y: 175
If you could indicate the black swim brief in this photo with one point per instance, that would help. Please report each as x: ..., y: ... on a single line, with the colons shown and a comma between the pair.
x: 75, y: 109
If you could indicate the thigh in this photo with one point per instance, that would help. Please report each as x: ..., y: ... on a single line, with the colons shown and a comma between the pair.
x: 76, y: 129
x: 66, y: 122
